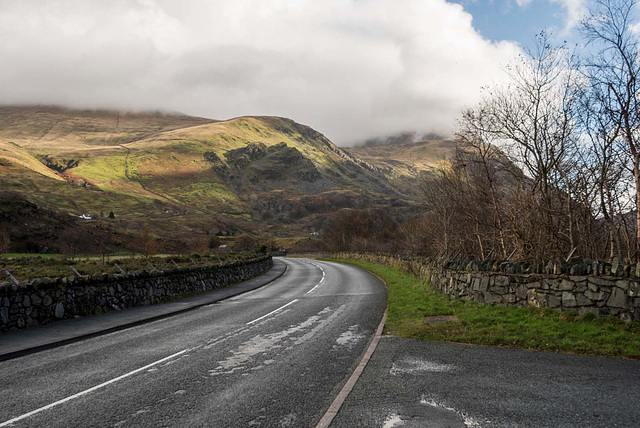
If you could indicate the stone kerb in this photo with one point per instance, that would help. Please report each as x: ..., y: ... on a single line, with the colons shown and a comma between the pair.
x: 43, y: 300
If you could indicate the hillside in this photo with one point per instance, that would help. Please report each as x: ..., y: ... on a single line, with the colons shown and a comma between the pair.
x: 404, y: 162
x: 405, y: 157
x: 186, y: 177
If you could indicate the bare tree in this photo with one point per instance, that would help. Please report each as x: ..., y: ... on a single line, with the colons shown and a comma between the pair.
x: 532, y: 120
x: 146, y: 243
x: 476, y: 137
x: 414, y: 237
x: 201, y: 245
x: 534, y: 117
x: 245, y: 243
x: 575, y: 138
x: 361, y: 230
x: 72, y: 239
x: 102, y: 242
x: 613, y: 72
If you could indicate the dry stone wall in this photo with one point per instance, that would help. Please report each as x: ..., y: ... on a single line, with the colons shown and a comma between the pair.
x: 584, y: 294
x: 43, y: 300
x: 516, y: 285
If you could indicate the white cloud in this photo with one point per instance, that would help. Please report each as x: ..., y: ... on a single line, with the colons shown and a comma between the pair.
x: 576, y: 10
x: 350, y: 68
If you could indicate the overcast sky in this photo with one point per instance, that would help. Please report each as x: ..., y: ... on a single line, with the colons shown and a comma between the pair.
x: 351, y: 69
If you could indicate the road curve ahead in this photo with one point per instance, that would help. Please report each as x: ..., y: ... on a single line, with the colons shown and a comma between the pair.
x: 276, y: 356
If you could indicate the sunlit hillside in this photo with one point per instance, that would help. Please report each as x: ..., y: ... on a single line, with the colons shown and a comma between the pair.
x: 184, y: 176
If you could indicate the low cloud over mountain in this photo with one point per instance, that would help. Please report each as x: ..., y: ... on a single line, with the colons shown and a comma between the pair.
x: 355, y: 69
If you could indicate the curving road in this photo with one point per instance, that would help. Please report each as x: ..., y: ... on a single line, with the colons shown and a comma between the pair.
x: 276, y: 356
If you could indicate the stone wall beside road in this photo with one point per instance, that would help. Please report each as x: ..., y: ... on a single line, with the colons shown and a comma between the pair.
x: 43, y: 300
x: 600, y: 295
x: 584, y: 294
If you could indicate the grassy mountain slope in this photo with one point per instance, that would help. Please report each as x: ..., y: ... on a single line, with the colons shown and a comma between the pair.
x: 403, y: 163
x: 420, y: 155
x: 184, y: 176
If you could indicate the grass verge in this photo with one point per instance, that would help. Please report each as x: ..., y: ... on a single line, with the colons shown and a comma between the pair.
x: 28, y: 266
x: 412, y: 299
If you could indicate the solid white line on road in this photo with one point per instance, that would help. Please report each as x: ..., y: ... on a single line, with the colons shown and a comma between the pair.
x: 87, y: 391
x: 272, y: 312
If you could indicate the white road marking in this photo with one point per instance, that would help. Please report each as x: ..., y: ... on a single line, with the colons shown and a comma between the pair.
x: 321, y: 280
x: 272, y: 312
x: 131, y: 373
x: 316, y: 286
x: 87, y: 391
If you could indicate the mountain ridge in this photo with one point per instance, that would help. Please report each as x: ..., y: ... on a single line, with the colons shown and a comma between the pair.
x: 250, y: 174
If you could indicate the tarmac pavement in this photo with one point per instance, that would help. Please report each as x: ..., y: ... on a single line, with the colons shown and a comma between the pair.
x: 413, y: 383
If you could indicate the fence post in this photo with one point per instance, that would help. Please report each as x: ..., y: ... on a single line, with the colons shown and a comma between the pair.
x: 489, y: 255
x: 13, y: 278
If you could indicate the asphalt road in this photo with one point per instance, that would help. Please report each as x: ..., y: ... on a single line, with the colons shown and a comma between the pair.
x: 276, y: 356
x: 412, y: 383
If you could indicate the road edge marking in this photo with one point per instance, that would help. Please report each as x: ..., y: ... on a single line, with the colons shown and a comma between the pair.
x: 337, y: 403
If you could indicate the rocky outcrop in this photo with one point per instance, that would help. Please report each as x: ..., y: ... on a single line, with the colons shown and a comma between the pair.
x: 258, y: 163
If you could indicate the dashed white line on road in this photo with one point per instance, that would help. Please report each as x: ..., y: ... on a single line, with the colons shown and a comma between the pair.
x: 272, y: 312
x: 321, y: 280
x: 87, y: 391
x: 131, y: 373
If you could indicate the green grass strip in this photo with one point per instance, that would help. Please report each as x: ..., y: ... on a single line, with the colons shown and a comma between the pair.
x: 412, y: 299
